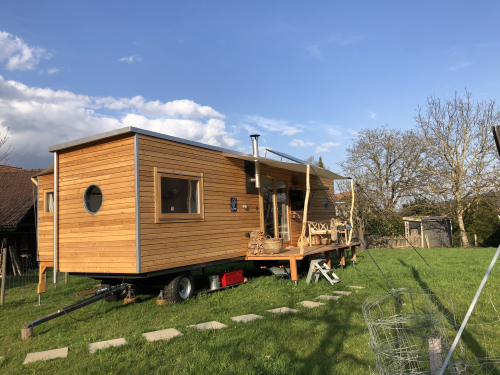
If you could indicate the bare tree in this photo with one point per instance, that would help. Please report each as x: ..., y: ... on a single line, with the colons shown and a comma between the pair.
x: 386, y: 162
x: 5, y: 149
x: 460, y: 157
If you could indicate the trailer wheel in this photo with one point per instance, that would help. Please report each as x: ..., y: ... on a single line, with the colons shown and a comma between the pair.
x: 180, y: 288
x: 114, y: 297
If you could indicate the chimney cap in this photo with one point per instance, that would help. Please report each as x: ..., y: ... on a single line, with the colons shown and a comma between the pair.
x: 254, y: 136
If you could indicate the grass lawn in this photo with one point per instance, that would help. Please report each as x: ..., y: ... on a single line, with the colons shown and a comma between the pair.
x: 330, y: 339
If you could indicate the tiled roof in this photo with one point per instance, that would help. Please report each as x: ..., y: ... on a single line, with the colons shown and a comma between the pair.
x: 16, y: 195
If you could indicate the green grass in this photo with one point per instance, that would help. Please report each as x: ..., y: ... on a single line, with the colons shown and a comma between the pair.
x: 331, y: 339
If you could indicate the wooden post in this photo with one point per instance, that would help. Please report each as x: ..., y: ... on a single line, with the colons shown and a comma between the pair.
x: 306, y: 203
x: 293, y: 268
x: 4, y: 270
x: 66, y: 277
x: 42, y: 279
x: 327, y: 258
x: 475, y: 239
x: 352, y: 209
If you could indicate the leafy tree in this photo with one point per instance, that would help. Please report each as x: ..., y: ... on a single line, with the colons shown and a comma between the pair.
x: 320, y: 163
x: 482, y: 219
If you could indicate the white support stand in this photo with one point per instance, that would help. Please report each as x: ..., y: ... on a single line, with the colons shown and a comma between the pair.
x: 320, y: 267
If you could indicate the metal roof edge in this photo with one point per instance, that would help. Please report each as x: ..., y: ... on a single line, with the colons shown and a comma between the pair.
x: 132, y: 129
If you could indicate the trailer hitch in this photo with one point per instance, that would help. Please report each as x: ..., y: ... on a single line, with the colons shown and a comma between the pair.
x: 27, y: 330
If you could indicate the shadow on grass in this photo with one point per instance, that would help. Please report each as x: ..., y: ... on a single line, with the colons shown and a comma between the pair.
x: 467, y: 338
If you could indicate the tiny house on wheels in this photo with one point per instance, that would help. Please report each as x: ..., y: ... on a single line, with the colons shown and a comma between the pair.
x: 139, y: 206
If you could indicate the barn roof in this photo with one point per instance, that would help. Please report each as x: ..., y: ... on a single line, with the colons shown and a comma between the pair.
x: 16, y: 195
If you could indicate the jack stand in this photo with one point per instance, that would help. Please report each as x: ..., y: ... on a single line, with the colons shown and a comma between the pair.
x: 130, y: 297
x: 40, y: 301
x: 161, y: 299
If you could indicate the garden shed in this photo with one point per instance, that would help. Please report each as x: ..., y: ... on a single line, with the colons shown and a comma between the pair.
x: 429, y: 231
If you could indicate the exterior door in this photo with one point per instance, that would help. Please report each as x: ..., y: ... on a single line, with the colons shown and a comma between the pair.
x: 275, y: 208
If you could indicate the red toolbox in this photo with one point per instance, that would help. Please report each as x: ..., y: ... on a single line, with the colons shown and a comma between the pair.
x: 230, y: 277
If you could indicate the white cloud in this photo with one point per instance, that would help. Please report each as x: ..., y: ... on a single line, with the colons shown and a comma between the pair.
x: 314, y: 50
x: 458, y: 66
x: 18, y: 54
x: 272, y: 125
x: 52, y: 71
x: 39, y: 118
x: 131, y: 59
x: 326, y: 146
x: 373, y: 116
x: 300, y: 143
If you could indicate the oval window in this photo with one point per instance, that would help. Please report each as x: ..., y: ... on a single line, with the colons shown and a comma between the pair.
x: 92, y: 199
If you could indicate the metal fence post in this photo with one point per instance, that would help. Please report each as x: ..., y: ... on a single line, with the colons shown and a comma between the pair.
x: 4, y: 270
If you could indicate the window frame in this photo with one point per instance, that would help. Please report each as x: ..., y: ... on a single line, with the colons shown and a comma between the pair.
x: 45, y: 193
x: 181, y: 175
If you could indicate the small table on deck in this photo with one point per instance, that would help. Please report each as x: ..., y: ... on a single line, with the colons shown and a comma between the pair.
x: 293, y: 254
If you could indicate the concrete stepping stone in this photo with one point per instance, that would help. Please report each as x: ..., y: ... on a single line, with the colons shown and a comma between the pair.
x: 105, y: 344
x: 311, y: 304
x: 164, y: 334
x: 344, y: 293
x: 332, y: 298
x: 246, y: 318
x: 282, y: 310
x: 355, y: 287
x: 43, y: 356
x: 208, y: 325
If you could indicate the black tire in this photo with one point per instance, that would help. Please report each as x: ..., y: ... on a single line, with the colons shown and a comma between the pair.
x: 179, y: 288
x: 114, y: 297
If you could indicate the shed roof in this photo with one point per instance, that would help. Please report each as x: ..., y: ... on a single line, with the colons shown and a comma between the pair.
x: 298, y: 167
x: 16, y: 196
x: 49, y: 170
x: 427, y: 218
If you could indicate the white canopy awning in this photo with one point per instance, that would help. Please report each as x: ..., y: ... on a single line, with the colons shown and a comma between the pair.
x: 296, y: 167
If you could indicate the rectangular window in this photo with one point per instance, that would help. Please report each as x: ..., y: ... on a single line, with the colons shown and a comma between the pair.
x: 48, y: 196
x: 179, y: 195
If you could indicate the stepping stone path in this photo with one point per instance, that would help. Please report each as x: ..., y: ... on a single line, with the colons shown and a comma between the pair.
x: 342, y: 292
x: 208, y: 325
x: 165, y: 334
x: 105, y: 344
x: 282, y: 310
x: 43, y: 356
x: 246, y: 318
x: 333, y: 298
x: 311, y: 304
x: 355, y: 287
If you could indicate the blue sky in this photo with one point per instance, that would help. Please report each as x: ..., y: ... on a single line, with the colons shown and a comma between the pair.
x: 305, y: 75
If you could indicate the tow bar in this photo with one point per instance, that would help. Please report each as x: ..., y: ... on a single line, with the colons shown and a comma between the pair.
x: 27, y: 330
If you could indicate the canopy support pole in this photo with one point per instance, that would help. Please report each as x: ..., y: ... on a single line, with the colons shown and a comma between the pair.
x: 352, y: 209
x: 306, y: 203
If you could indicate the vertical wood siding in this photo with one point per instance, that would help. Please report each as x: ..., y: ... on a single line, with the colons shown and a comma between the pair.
x: 103, y: 242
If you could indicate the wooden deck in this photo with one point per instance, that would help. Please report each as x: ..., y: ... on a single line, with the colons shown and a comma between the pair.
x: 293, y: 254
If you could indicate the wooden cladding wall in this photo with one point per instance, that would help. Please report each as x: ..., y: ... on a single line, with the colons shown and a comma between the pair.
x: 221, y: 235
x: 45, y: 222
x: 103, y: 242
